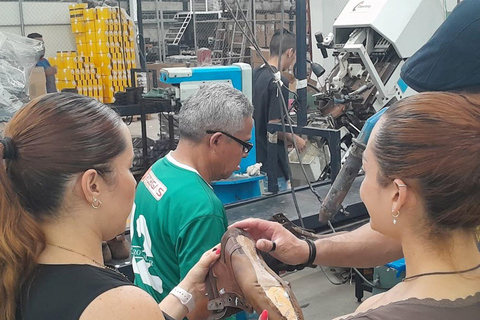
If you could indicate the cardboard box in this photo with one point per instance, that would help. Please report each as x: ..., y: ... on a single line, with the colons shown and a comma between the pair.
x: 37, y: 83
x: 256, y: 59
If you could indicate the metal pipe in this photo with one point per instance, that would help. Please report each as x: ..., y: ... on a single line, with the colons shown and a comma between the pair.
x: 22, y: 21
x: 158, y: 28
x: 301, y: 65
x: 194, y: 17
x: 164, y: 48
x: 254, y: 19
x: 141, y: 38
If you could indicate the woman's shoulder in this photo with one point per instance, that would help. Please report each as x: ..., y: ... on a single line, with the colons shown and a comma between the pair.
x: 420, y: 309
x: 60, y: 285
x: 106, y: 294
x: 125, y: 302
x: 70, y: 274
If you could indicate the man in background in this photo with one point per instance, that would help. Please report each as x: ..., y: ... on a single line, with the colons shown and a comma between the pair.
x: 177, y: 215
x: 49, y: 70
x: 268, y: 105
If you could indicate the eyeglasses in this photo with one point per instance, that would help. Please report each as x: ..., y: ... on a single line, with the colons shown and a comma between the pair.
x: 247, y: 146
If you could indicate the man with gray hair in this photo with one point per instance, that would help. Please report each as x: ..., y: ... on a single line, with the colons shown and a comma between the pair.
x: 177, y: 215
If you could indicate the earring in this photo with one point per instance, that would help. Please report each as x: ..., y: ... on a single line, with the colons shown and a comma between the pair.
x: 395, y: 216
x: 96, y: 203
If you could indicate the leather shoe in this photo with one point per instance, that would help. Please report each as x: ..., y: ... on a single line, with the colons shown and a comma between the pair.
x: 241, y: 280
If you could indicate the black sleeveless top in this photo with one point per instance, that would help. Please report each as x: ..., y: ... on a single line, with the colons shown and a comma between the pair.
x: 63, y: 292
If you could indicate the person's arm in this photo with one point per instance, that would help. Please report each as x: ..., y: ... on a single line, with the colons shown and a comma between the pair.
x: 50, y: 71
x: 198, y: 236
x: 288, y: 137
x: 123, y: 303
x: 363, y: 247
x: 360, y: 248
x: 193, y: 283
x: 275, y: 113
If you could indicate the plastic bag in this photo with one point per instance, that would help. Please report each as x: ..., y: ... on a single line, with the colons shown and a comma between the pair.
x: 18, y: 56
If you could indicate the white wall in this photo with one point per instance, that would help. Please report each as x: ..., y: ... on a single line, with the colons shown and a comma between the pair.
x: 324, y: 13
x: 50, y: 19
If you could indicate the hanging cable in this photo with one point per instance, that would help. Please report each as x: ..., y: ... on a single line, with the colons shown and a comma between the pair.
x: 276, y: 74
x: 285, y: 111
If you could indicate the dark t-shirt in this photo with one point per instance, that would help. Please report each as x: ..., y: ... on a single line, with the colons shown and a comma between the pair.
x: 63, y: 292
x: 424, y: 309
x: 267, y: 104
x: 450, y: 60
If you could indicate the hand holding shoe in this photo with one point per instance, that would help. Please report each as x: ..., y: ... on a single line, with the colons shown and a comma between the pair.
x: 189, y: 296
x: 241, y: 280
x: 194, y: 281
x: 288, y: 248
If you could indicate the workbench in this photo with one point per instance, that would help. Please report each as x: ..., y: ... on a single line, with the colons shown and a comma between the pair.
x: 267, y: 206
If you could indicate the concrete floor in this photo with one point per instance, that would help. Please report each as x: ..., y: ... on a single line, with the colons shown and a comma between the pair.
x: 319, y: 298
x: 152, y: 127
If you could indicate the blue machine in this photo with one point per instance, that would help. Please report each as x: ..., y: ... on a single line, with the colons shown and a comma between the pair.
x: 186, y: 82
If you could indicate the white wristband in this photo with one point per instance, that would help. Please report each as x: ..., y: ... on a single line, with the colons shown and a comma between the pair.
x: 185, y: 298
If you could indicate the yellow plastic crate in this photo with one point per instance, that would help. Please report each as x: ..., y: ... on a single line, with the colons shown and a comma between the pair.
x: 65, y: 74
x: 90, y: 34
x: 90, y: 27
x: 101, y: 24
x: 107, y: 99
x: 102, y: 35
x: 89, y: 15
x: 103, y: 13
x: 65, y: 85
x: 77, y: 10
x: 78, y: 26
x: 80, y: 38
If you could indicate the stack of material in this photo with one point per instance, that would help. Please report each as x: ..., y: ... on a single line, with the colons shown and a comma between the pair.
x: 105, y: 40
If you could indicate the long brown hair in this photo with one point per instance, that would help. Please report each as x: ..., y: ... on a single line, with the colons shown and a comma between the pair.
x: 432, y: 140
x: 55, y: 137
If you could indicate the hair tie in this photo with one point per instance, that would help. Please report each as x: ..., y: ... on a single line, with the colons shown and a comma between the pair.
x: 9, y: 149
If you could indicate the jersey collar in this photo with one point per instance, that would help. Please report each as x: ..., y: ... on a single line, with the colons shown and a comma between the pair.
x: 171, y: 159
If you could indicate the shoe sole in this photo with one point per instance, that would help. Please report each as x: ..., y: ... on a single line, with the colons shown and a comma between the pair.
x: 273, y: 286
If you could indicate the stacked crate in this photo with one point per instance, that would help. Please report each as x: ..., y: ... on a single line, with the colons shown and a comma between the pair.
x: 66, y: 64
x: 105, y: 41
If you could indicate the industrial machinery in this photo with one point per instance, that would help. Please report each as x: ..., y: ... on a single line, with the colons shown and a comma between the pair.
x: 371, y: 40
x: 185, y: 82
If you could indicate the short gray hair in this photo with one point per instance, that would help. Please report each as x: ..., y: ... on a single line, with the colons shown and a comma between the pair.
x: 213, y: 107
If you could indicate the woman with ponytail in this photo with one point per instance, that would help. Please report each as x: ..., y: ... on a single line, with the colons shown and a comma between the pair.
x: 65, y: 186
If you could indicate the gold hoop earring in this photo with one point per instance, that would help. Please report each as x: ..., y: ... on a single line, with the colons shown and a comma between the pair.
x: 395, y: 216
x: 96, y: 203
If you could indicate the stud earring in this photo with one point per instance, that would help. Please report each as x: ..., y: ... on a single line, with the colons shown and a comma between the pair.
x: 395, y: 216
x: 96, y: 203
